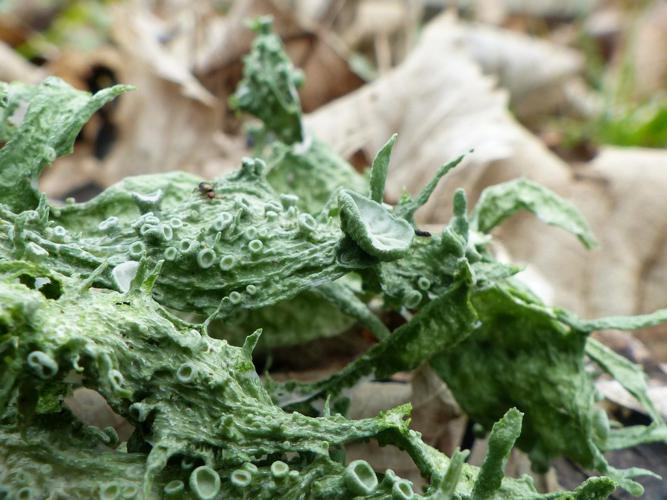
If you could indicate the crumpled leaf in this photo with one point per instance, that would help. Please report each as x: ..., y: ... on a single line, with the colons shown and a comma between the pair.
x: 171, y: 121
x: 649, y: 61
x: 533, y: 70
x: 13, y: 67
x: 538, y: 8
x: 614, y: 392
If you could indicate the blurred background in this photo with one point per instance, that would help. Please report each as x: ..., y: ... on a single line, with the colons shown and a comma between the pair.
x: 570, y: 93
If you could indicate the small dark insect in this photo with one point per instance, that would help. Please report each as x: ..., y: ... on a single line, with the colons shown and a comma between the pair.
x: 420, y: 232
x: 206, y: 189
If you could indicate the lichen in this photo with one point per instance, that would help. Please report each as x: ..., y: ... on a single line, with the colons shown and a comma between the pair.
x: 91, y: 296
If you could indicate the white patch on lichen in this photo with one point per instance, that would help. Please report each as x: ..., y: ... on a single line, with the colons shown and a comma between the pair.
x: 124, y: 273
x: 19, y: 113
x: 148, y: 198
x: 41, y: 281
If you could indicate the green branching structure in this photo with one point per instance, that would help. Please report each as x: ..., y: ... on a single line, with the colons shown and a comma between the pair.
x: 299, y: 162
x: 269, y: 89
x: 94, y: 294
x: 193, y: 398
